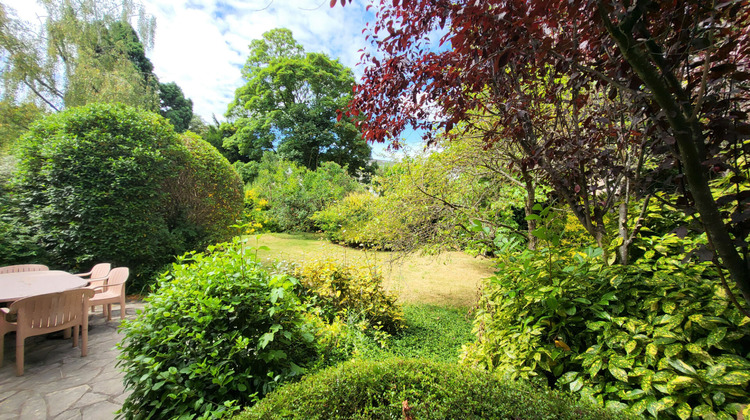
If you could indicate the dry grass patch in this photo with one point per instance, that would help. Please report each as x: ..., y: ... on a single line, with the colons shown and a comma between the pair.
x: 450, y: 279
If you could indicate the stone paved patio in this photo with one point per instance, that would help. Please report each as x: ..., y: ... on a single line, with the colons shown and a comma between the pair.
x: 60, y: 384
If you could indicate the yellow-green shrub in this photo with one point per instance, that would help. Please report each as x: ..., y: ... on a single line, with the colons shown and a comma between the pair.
x: 343, y: 222
x: 340, y: 290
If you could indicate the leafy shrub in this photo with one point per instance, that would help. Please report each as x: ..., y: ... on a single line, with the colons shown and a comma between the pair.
x: 296, y: 193
x: 340, y: 289
x: 207, y: 193
x: 255, y: 218
x: 659, y: 335
x: 219, y: 330
x: 343, y: 221
x: 17, y: 242
x: 380, y: 390
x: 112, y: 183
x: 89, y: 182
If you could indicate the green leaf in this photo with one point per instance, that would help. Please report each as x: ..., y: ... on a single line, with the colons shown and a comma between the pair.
x: 738, y: 377
x: 719, y: 398
x: 633, y: 394
x: 618, y: 373
x: 682, y: 366
x: 576, y: 385
x: 716, y: 336
x: 630, y: 346
x: 679, y: 382
x: 595, y: 368
x: 683, y: 411
x: 733, y: 361
x: 265, y: 339
x: 639, y: 406
x: 567, y: 377
x: 702, y: 410
x: 673, y: 350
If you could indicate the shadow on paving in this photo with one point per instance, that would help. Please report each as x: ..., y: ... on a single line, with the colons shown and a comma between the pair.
x: 60, y: 384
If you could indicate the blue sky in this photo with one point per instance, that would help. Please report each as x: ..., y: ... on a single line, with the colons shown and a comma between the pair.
x: 202, y: 44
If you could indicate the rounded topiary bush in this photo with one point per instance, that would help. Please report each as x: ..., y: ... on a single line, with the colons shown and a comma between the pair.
x: 89, y: 181
x: 100, y: 183
x: 418, y: 389
x: 218, y: 331
x: 207, y: 193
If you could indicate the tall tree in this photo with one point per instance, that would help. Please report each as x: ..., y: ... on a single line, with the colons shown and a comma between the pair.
x: 289, y: 104
x: 685, y: 63
x: 174, y: 106
x: 71, y: 59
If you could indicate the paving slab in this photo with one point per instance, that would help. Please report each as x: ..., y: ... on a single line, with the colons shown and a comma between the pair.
x: 60, y: 384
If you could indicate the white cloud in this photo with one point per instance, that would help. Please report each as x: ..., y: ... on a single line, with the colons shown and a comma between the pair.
x: 202, y: 44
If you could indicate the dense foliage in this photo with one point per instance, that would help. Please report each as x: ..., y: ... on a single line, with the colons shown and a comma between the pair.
x: 659, y: 336
x: 219, y: 331
x: 77, y: 53
x: 398, y: 388
x: 598, y: 89
x: 294, y: 193
x: 342, y: 290
x: 345, y: 221
x: 207, y: 193
x: 110, y: 183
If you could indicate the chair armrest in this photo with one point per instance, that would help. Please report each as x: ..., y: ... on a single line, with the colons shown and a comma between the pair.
x: 83, y: 274
x: 100, y: 281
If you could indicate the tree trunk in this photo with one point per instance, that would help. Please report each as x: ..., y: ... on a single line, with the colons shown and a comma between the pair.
x: 529, y: 208
x: 689, y: 141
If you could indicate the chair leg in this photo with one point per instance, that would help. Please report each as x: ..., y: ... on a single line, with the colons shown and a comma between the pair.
x: 109, y: 312
x: 19, y: 354
x: 66, y: 333
x: 84, y: 334
x: 75, y: 336
x: 122, y: 307
x: 2, y: 347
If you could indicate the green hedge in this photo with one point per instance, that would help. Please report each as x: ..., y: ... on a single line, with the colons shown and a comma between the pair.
x: 430, y: 390
x: 106, y: 182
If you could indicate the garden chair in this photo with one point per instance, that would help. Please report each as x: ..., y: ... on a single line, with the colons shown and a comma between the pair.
x: 97, y: 275
x: 111, y: 292
x: 42, y: 314
x: 22, y: 268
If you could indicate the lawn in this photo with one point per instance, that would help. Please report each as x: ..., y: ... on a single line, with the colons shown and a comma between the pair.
x: 449, y: 279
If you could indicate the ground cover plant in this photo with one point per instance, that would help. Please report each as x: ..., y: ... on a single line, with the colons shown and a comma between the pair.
x: 418, y: 389
x: 431, y: 332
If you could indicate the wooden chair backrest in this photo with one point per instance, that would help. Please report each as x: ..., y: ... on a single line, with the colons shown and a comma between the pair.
x: 50, y: 312
x: 22, y: 268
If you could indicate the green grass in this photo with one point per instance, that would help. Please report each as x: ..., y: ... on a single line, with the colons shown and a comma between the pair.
x: 449, y: 279
x: 433, y: 332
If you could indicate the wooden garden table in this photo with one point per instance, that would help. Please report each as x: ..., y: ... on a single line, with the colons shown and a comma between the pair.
x: 14, y: 286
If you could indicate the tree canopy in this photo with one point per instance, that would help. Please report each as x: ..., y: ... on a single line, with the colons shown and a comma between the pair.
x: 80, y: 54
x: 683, y: 66
x: 289, y: 105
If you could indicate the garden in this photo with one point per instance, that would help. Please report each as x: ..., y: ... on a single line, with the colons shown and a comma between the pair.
x: 570, y: 241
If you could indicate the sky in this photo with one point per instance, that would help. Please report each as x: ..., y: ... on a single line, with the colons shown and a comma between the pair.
x: 202, y: 44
